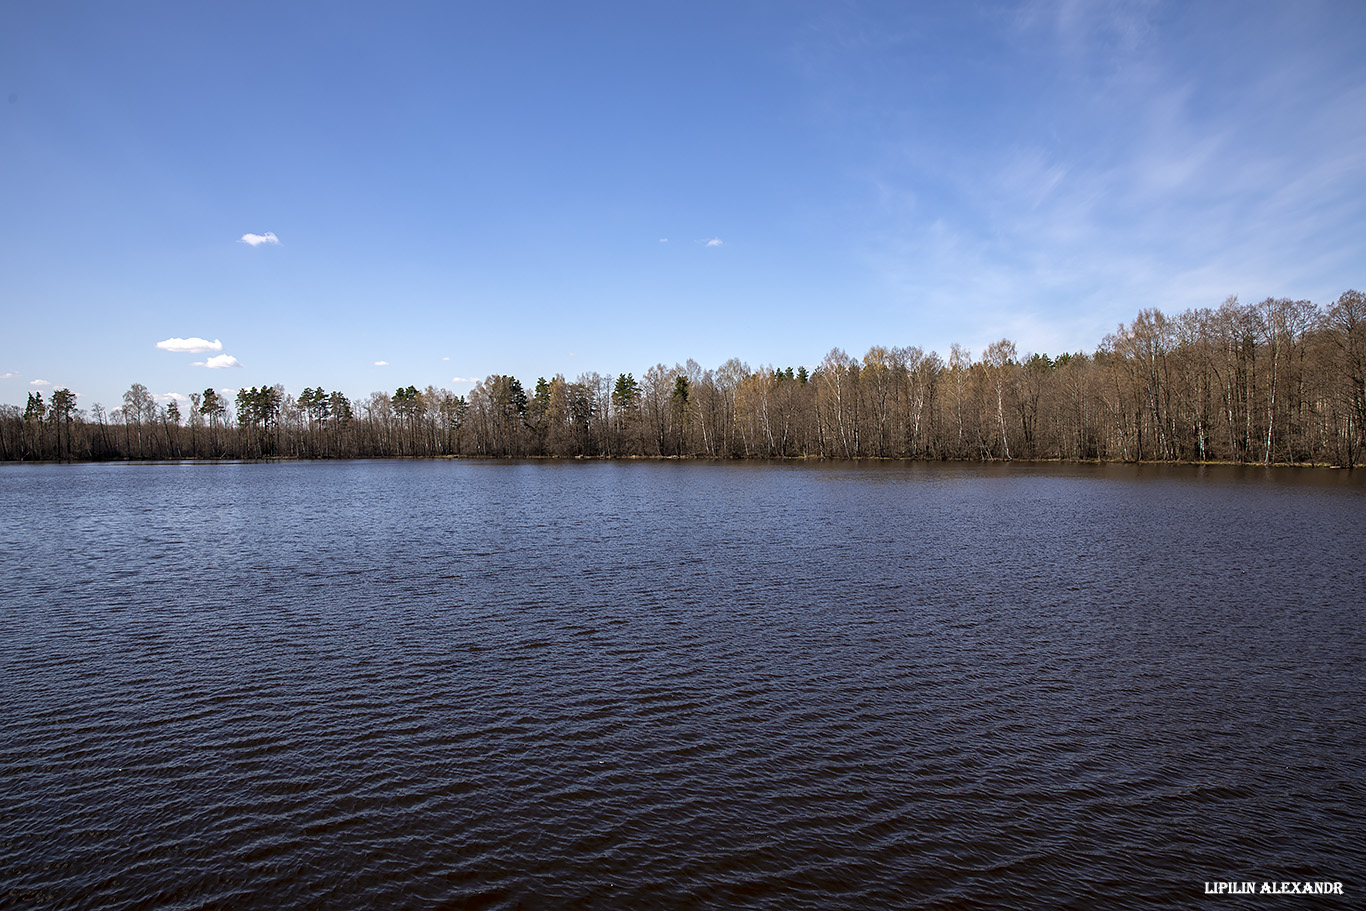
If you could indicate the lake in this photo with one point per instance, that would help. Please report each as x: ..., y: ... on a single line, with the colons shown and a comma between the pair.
x: 679, y: 684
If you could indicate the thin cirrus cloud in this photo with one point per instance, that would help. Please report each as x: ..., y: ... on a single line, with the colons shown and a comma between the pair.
x: 1164, y: 181
x: 255, y: 240
x: 193, y: 345
x: 714, y: 242
x: 218, y: 361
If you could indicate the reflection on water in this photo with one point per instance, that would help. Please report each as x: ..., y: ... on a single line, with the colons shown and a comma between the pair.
x: 661, y: 684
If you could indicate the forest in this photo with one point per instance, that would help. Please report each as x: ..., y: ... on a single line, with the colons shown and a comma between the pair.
x: 1277, y: 382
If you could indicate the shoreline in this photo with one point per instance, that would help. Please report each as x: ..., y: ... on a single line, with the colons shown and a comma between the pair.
x: 205, y: 460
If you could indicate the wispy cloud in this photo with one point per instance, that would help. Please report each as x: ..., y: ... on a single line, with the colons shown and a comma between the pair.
x: 714, y: 242
x: 256, y: 240
x: 464, y: 379
x: 39, y: 383
x: 1136, y: 166
x: 171, y: 397
x: 218, y: 361
x: 8, y: 376
x: 193, y: 345
x: 1092, y: 33
x: 380, y: 364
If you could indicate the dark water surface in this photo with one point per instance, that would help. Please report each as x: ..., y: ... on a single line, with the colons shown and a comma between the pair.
x: 457, y: 684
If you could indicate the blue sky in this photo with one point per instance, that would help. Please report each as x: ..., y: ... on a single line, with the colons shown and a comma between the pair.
x: 450, y: 190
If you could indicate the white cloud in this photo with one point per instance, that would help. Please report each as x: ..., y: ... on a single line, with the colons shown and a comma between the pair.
x: 1179, y: 175
x: 714, y: 242
x: 463, y: 379
x: 380, y: 364
x: 664, y: 240
x: 256, y: 240
x: 171, y: 397
x: 8, y: 376
x: 39, y: 383
x: 192, y: 345
x: 445, y: 359
x: 217, y: 361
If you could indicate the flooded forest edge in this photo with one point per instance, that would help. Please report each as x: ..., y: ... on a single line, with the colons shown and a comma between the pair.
x: 1277, y: 382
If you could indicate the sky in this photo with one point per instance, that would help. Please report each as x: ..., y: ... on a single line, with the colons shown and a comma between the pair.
x: 367, y: 196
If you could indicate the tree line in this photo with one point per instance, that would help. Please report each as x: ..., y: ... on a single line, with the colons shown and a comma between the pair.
x: 1279, y: 381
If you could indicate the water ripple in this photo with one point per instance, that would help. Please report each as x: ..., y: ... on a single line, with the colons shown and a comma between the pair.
x: 414, y: 685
